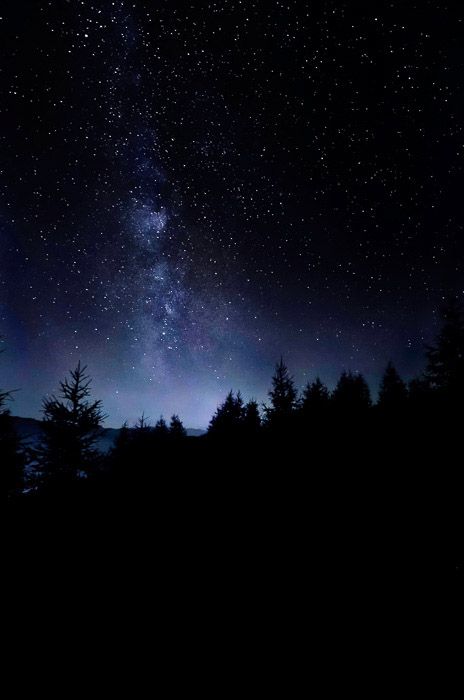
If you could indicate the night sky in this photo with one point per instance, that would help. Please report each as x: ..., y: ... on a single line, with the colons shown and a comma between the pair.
x: 190, y: 190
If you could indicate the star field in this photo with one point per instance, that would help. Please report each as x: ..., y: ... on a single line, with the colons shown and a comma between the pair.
x: 190, y: 190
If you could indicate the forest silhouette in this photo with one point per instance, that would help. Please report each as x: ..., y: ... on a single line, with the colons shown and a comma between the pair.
x: 332, y: 464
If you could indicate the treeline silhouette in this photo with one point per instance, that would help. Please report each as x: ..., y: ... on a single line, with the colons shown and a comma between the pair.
x: 320, y: 459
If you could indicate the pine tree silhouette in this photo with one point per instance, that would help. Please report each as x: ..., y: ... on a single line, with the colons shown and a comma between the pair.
x: 123, y: 440
x: 136, y: 448
x: 161, y: 430
x: 123, y: 437
x: 445, y: 360
x: 316, y: 399
x: 393, y: 392
x: 71, y: 427
x: 351, y: 395
x: 176, y: 428
x: 142, y: 424
x: 12, y: 457
x: 228, y: 418
x: 420, y: 395
x: 283, y: 397
x: 251, y: 419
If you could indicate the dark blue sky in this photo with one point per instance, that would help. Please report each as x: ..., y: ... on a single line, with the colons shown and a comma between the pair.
x: 191, y: 190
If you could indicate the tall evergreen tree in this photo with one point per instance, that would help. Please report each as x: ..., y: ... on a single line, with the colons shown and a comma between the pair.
x: 142, y: 425
x: 351, y: 393
x: 393, y: 392
x: 122, y: 450
x: 251, y: 418
x: 141, y: 433
x: 71, y: 427
x: 123, y: 437
x: 419, y: 393
x: 316, y: 399
x: 283, y: 397
x: 123, y: 440
x: 445, y: 360
x: 161, y: 430
x: 12, y: 456
x: 139, y: 446
x: 228, y: 418
x: 176, y: 428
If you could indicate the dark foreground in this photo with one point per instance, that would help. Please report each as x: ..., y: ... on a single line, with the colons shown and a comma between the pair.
x: 352, y: 506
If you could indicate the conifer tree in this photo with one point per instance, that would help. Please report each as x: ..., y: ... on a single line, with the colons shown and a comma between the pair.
x: 123, y: 437
x: 72, y: 424
x: 315, y: 399
x: 251, y: 418
x: 12, y: 458
x: 123, y: 440
x: 142, y: 425
x: 419, y: 393
x: 351, y: 393
x: 393, y: 392
x: 140, y: 442
x: 228, y: 417
x: 176, y: 428
x: 161, y: 430
x: 445, y: 360
x: 283, y: 397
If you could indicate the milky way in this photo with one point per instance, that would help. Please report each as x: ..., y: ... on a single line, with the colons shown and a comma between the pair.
x: 191, y: 190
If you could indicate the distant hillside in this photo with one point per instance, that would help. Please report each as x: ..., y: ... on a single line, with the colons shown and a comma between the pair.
x: 195, y: 432
x: 29, y: 430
